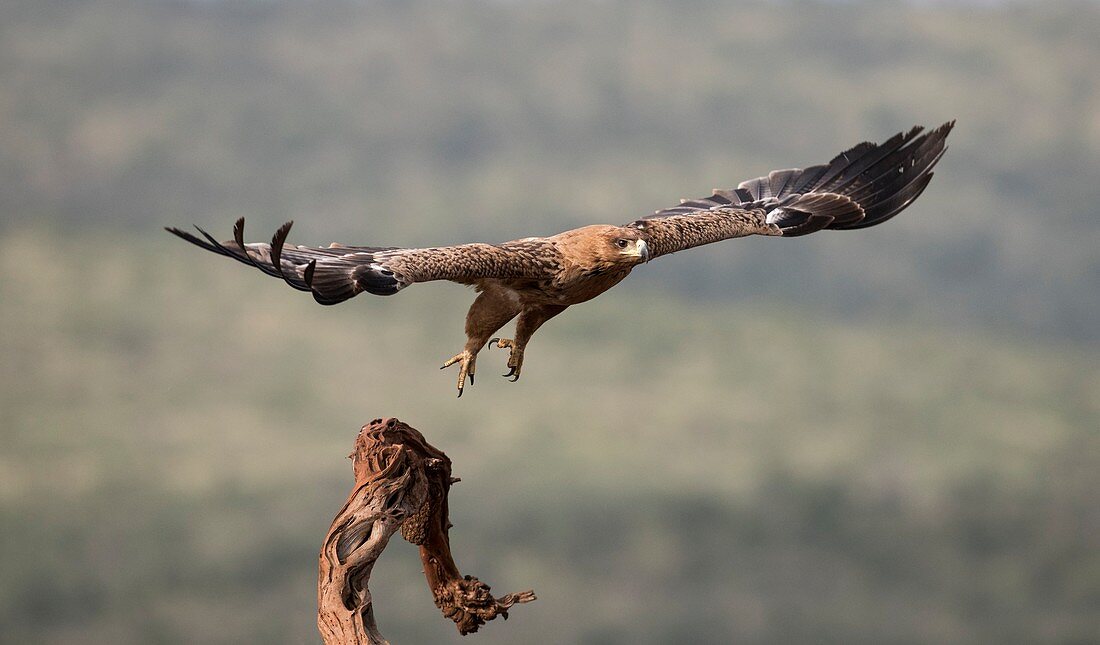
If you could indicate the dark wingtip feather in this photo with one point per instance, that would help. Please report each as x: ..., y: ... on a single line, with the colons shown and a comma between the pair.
x: 238, y: 237
x: 331, y: 283
x: 277, y: 242
x: 194, y: 240
x: 238, y: 231
x: 893, y: 181
x: 210, y: 238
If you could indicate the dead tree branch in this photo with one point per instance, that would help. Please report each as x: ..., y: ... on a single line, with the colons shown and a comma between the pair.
x: 401, y: 482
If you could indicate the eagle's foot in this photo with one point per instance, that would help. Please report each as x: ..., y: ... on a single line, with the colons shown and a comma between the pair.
x: 467, y: 360
x: 515, y: 358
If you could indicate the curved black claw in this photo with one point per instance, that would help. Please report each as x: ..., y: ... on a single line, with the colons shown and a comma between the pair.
x: 492, y: 342
x: 513, y: 373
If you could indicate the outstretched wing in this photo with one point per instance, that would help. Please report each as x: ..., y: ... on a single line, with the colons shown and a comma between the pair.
x: 335, y: 273
x: 861, y: 187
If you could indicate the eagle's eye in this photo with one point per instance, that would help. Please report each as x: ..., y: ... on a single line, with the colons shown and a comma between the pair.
x: 621, y: 243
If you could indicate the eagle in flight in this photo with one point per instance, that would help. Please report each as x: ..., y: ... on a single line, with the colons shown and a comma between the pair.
x: 537, y: 278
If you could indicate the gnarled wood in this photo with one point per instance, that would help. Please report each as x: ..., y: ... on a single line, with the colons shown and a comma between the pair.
x: 401, y: 482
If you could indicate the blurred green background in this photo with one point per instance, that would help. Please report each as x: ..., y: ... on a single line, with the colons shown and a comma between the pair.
x: 888, y: 435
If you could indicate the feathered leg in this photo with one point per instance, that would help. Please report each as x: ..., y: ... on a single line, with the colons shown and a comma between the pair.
x: 529, y: 321
x: 492, y: 309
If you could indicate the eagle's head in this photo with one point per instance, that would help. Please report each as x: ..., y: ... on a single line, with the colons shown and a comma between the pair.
x: 603, y: 247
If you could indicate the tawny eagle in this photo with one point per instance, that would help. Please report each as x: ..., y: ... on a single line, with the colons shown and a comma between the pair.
x: 536, y: 278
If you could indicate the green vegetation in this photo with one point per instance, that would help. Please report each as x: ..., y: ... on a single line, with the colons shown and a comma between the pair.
x: 174, y: 435
x: 883, y: 436
x: 416, y: 123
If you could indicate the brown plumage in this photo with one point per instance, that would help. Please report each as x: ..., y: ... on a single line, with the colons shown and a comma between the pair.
x: 539, y: 277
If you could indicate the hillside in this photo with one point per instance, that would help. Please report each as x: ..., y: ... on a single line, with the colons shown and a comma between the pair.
x: 879, y: 436
x: 174, y: 436
x: 420, y: 123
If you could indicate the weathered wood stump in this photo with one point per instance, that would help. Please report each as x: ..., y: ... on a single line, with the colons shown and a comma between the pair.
x: 401, y: 482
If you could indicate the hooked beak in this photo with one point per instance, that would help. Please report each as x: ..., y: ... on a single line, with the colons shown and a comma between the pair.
x: 643, y: 250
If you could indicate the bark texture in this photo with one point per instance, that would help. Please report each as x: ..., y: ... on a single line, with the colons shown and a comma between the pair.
x: 401, y: 482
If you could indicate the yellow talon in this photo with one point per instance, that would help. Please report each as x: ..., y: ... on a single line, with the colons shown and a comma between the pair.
x: 467, y: 368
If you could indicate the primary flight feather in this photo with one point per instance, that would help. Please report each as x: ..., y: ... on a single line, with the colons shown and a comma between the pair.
x: 537, y: 278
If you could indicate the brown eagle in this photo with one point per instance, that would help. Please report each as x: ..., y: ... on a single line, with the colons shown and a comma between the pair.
x: 537, y: 278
